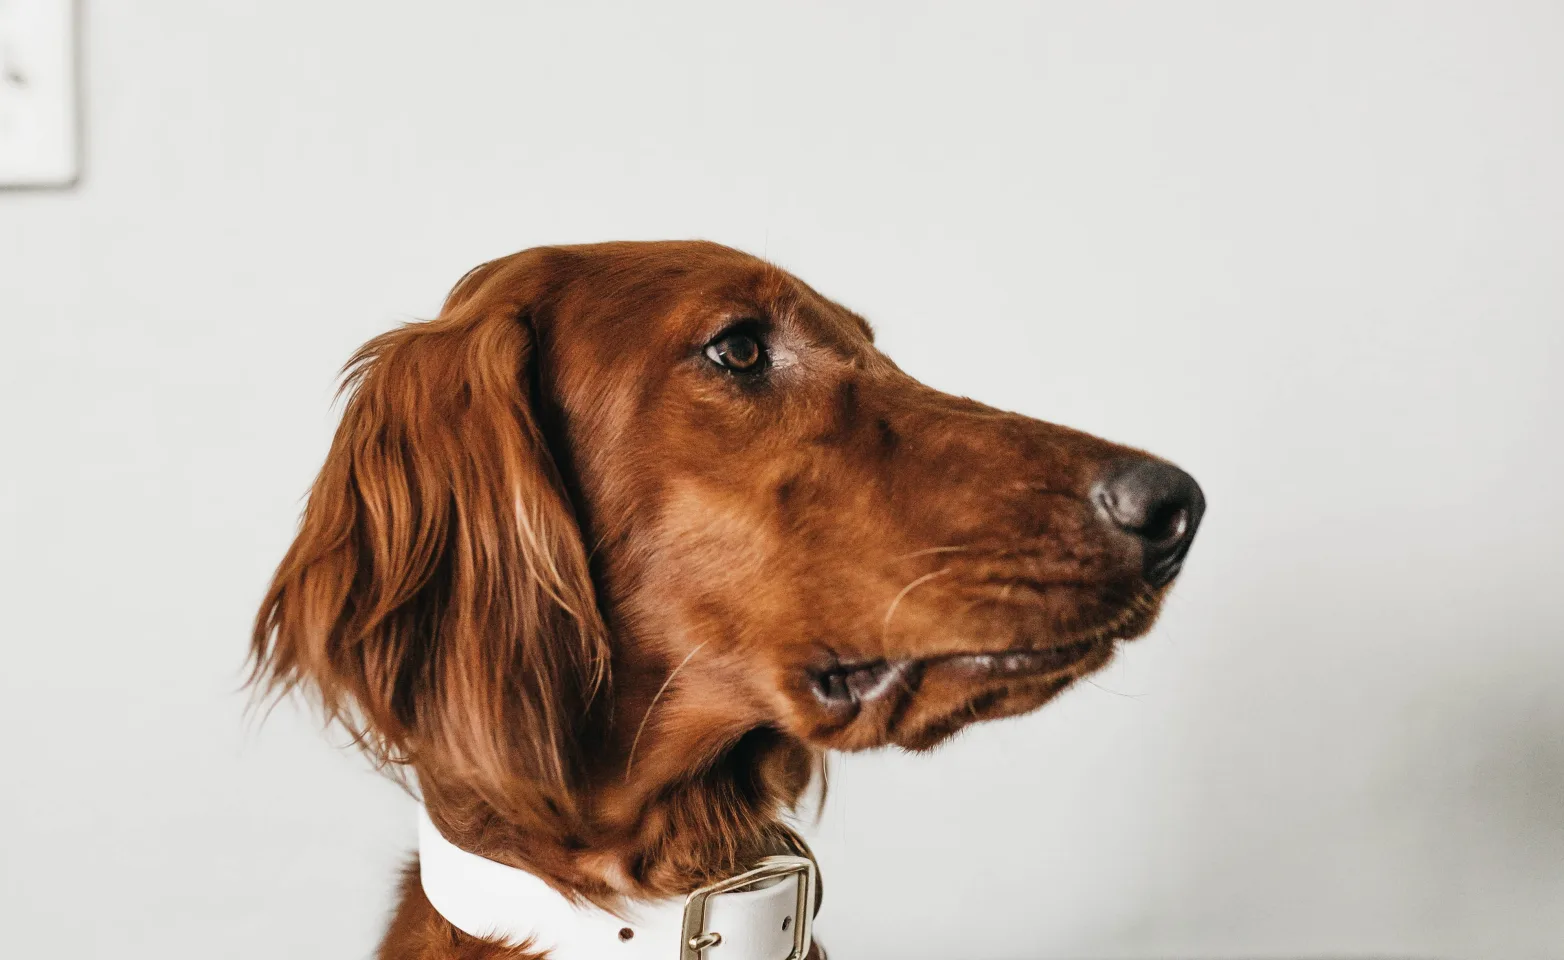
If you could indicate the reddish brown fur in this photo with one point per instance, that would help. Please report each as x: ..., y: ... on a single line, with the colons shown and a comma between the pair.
x: 581, y: 581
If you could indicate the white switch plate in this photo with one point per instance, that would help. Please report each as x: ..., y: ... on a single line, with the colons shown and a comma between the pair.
x: 38, y: 132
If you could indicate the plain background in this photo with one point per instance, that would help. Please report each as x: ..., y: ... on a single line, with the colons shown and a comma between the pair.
x: 1314, y: 252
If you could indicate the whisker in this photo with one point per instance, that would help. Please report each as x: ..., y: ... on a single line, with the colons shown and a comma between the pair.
x: 630, y: 761
x: 885, y: 626
x: 1116, y: 693
x: 929, y: 550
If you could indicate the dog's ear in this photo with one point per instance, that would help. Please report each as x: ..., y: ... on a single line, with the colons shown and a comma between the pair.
x: 438, y: 597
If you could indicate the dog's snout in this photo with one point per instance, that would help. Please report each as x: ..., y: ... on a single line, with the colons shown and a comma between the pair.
x: 1157, y: 503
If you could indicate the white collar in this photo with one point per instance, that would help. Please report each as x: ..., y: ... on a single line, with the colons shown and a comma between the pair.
x: 756, y: 915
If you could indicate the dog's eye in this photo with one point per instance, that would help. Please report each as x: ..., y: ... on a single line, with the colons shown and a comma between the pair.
x: 738, y: 351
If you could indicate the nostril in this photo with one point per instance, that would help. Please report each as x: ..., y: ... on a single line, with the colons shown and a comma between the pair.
x: 1167, y: 524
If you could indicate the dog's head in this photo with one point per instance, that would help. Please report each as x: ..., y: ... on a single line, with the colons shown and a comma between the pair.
x: 636, y: 506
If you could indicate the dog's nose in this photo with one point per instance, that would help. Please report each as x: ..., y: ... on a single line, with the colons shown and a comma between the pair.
x: 1160, y: 505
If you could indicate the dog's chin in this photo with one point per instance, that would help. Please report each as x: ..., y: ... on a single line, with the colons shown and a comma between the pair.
x: 918, y: 702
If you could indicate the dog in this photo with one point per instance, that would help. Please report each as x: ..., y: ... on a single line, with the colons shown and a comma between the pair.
x: 613, y: 550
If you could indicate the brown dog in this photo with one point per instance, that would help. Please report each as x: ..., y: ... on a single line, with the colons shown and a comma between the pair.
x: 611, y: 551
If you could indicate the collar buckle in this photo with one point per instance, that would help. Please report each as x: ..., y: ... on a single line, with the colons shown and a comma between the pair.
x: 695, y: 938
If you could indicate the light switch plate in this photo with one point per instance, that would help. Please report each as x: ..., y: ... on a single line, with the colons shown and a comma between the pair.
x: 38, y: 131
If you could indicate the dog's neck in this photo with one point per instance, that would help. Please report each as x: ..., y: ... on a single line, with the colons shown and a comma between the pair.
x: 684, y: 813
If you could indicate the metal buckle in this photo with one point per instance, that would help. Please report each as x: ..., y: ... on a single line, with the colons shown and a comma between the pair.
x: 695, y: 937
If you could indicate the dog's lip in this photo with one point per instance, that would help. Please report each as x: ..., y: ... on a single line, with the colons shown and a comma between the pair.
x: 841, y: 683
x: 1007, y: 663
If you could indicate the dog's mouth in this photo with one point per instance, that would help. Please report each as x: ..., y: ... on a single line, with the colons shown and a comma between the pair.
x: 855, y: 683
x: 919, y: 699
x: 916, y: 702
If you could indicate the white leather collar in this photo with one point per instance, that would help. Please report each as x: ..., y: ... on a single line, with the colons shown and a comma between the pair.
x: 738, y: 919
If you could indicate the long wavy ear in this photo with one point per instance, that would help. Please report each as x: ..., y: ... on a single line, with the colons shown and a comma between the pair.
x: 437, y: 598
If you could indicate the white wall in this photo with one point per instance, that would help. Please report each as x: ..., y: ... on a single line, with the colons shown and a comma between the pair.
x: 1313, y: 251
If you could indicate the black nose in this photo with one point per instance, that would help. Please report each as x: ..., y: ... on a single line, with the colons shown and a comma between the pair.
x: 1158, y: 503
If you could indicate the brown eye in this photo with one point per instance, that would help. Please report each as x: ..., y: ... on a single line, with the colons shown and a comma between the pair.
x: 738, y: 351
